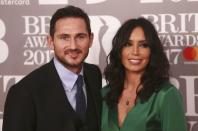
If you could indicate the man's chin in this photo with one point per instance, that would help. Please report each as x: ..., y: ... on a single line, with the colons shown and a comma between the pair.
x: 74, y: 67
x: 73, y: 64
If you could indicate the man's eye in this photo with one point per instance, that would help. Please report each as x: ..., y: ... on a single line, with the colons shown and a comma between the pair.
x: 64, y: 37
x: 81, y: 36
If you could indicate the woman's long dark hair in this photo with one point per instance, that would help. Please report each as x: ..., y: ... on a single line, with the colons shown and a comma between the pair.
x: 156, y: 72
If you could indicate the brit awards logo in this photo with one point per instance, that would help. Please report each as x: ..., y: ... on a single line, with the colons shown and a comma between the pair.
x: 36, y: 29
x: 177, y: 36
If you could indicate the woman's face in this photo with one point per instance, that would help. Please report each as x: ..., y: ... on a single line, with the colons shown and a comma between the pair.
x: 135, y: 55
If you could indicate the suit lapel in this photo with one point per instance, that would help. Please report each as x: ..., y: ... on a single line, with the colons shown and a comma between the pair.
x: 89, y: 80
x: 57, y: 89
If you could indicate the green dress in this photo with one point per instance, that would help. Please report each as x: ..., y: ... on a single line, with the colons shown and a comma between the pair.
x: 162, y: 112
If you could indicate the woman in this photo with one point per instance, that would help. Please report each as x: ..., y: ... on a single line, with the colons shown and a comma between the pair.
x: 139, y: 96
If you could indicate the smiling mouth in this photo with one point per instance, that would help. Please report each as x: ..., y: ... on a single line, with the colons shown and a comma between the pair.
x: 72, y: 54
x: 135, y: 61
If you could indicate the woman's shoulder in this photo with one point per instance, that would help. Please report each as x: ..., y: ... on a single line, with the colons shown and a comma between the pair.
x: 169, y: 91
x: 167, y: 87
x: 105, y: 90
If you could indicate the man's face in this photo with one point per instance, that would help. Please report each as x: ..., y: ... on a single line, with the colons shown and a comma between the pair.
x: 71, y: 42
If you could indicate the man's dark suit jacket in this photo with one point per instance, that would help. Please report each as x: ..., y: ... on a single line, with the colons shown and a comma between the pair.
x: 39, y: 103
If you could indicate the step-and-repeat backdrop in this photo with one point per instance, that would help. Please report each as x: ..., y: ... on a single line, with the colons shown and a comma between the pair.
x: 24, y: 25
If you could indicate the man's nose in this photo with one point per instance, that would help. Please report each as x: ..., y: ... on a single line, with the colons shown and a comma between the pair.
x: 73, y: 44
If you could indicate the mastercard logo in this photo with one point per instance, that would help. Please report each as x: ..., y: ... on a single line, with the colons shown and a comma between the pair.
x: 191, y: 53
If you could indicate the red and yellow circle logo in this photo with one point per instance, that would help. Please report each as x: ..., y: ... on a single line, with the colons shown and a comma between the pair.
x: 191, y: 53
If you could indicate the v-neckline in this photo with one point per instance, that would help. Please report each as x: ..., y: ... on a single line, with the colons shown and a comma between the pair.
x: 114, y: 117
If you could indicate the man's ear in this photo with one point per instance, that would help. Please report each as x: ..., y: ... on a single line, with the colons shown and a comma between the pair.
x: 91, y: 40
x: 50, y: 42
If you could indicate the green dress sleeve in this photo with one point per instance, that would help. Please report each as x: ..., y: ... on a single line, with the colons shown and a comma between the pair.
x: 172, y: 111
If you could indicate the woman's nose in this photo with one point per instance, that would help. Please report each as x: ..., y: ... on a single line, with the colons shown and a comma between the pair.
x: 135, y: 50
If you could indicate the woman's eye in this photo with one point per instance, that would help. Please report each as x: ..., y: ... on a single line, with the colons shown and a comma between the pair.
x: 144, y: 45
x: 127, y: 44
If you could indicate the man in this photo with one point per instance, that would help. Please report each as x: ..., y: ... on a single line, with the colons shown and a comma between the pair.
x: 51, y: 98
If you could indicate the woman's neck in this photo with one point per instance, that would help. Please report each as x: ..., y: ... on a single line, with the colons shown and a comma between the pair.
x: 132, y: 81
